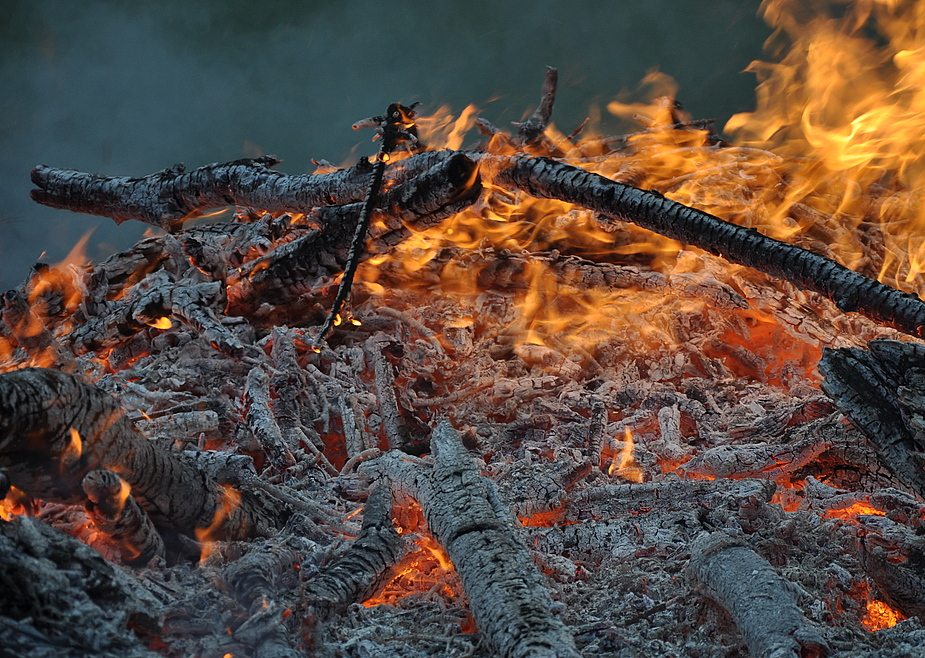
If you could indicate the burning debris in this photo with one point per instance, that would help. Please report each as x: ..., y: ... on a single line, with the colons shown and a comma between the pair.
x: 543, y: 396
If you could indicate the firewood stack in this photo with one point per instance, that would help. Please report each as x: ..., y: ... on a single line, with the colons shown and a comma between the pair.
x: 561, y: 415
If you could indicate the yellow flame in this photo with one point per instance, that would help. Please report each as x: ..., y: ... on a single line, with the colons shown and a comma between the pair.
x: 74, y: 449
x: 161, y: 323
x: 624, y: 463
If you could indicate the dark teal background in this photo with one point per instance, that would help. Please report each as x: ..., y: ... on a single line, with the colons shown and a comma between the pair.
x: 126, y: 88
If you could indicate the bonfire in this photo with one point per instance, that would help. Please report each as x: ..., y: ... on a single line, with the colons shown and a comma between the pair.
x: 542, y: 391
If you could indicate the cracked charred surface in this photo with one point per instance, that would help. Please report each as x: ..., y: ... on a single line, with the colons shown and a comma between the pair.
x: 568, y: 364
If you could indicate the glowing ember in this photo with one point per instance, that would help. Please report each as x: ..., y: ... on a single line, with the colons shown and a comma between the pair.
x: 161, y: 323
x: 851, y: 513
x: 72, y: 452
x: 880, y: 615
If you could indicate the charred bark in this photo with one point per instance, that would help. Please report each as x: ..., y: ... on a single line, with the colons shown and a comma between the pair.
x: 61, y: 598
x: 759, y: 601
x: 882, y: 390
x: 170, y: 196
x: 508, y: 598
x: 55, y: 430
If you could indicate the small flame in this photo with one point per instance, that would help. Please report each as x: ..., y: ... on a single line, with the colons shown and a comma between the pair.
x: 14, y: 504
x: 161, y: 323
x: 229, y: 503
x: 624, y: 464
x: 72, y: 451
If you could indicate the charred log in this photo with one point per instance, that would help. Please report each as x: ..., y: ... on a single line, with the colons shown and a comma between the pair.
x: 115, y: 512
x: 760, y: 602
x: 508, y: 598
x: 55, y: 430
x: 170, y: 196
x: 364, y: 567
x: 882, y: 390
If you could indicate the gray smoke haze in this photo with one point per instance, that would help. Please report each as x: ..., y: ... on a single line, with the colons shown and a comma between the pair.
x: 127, y: 88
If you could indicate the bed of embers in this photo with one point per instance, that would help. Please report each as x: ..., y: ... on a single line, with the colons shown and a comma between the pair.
x: 535, y: 430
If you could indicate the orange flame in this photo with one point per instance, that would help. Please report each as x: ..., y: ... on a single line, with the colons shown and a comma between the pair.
x: 72, y: 451
x: 624, y: 463
x: 161, y: 323
x: 217, y: 529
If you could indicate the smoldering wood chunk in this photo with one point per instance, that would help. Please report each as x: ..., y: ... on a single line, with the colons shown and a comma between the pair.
x: 882, y: 390
x: 364, y: 567
x: 195, y: 302
x: 507, y: 594
x: 757, y: 460
x: 307, y: 264
x: 55, y: 429
x: 257, y: 581
x: 115, y: 512
x: 759, y: 600
x: 23, y: 324
x: 893, y: 555
x: 61, y: 598
x: 262, y: 421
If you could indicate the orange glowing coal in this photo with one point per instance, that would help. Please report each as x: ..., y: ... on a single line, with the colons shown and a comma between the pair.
x: 880, y: 615
x: 851, y: 513
x: 161, y: 323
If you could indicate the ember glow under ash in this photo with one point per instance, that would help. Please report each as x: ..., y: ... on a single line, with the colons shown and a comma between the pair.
x: 626, y: 397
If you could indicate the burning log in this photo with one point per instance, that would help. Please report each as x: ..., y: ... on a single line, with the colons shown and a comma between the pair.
x: 894, y: 558
x: 547, y: 178
x: 760, y: 602
x: 509, y: 601
x: 56, y: 430
x: 115, y: 512
x: 364, y: 567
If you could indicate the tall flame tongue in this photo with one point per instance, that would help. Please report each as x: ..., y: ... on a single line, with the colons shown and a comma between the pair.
x: 849, y: 110
x: 828, y: 161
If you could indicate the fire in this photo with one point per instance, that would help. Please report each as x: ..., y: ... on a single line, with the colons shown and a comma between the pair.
x: 224, y: 512
x: 852, y: 108
x: 161, y: 323
x: 15, y: 503
x: 72, y: 451
x: 851, y: 513
x: 880, y: 615
x: 624, y: 464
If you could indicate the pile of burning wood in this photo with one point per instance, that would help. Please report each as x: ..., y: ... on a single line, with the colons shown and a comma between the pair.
x: 542, y: 425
